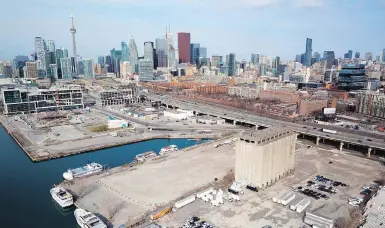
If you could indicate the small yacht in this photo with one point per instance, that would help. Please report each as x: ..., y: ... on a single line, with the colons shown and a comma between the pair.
x: 86, y: 170
x: 62, y: 197
x: 87, y: 219
x: 168, y: 149
x: 145, y: 156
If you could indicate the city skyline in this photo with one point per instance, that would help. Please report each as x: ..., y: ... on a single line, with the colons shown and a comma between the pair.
x: 147, y: 23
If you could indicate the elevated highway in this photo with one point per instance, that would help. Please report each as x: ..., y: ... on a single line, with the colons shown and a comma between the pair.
x: 240, y: 116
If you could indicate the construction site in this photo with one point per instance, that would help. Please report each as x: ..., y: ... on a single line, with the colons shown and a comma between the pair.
x: 93, y: 115
x: 208, y: 166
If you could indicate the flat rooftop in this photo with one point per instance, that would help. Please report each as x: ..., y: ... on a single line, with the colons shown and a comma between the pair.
x: 267, y: 134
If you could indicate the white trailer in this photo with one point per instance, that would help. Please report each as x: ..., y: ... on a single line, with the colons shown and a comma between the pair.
x: 295, y: 203
x: 318, y: 221
x: 289, y: 198
x: 276, y: 197
x: 205, y: 192
x: 303, y: 205
x: 329, y: 131
x: 184, y: 202
x: 283, y: 196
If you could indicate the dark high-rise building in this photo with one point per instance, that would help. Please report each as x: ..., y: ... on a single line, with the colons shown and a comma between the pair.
x: 101, y: 61
x: 59, y: 56
x: 308, y: 52
x: 346, y: 56
x: 317, y: 56
x: 383, y: 55
x: 298, y: 58
x: 108, y: 64
x: 277, y: 62
x: 161, y: 45
x: 329, y: 57
x: 194, y: 53
x: 303, y: 58
x: 357, y: 55
x: 350, y: 54
x: 352, y: 77
x: 231, y: 65
x: 20, y: 60
x: 184, y: 47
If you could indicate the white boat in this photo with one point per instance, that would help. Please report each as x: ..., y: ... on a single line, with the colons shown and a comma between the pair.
x: 86, y: 170
x: 86, y: 219
x: 62, y: 197
x: 168, y: 149
x: 144, y: 156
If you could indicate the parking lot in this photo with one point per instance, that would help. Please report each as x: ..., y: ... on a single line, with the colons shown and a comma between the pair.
x: 256, y: 209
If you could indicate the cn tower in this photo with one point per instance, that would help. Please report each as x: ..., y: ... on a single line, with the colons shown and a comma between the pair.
x: 73, y: 32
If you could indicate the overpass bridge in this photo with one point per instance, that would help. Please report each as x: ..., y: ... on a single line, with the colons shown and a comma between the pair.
x: 242, y: 116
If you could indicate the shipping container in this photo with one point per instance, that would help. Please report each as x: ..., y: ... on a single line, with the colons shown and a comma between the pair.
x: 276, y: 197
x: 295, y: 203
x: 303, y: 205
x: 184, y: 202
x: 318, y: 221
x: 283, y: 196
x: 205, y: 192
x: 289, y: 198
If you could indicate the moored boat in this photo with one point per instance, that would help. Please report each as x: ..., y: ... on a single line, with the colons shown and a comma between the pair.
x: 145, y: 156
x: 168, y: 149
x: 62, y: 197
x: 86, y: 170
x: 87, y: 219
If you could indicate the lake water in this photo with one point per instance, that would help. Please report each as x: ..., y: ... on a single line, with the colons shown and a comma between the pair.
x: 25, y: 200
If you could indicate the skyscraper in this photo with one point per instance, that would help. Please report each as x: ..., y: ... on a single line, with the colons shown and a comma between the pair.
x: 40, y: 53
x: 66, y: 67
x: 65, y: 53
x: 149, y: 52
x: 161, y: 51
x: 277, y: 62
x: 308, y: 52
x: 101, y: 60
x: 350, y: 54
x: 194, y: 53
x: 59, y: 55
x: 368, y: 56
x: 133, y: 55
x: 51, y: 46
x: 125, y: 52
x: 383, y: 55
x: 146, y: 72
x: 31, y: 70
x: 357, y: 55
x: 184, y: 47
x: 215, y: 61
x: 232, y: 65
x: 329, y: 57
x: 255, y: 58
x: 73, y: 32
x: 298, y: 58
x: 88, y: 65
x: 203, y: 52
x: 317, y: 56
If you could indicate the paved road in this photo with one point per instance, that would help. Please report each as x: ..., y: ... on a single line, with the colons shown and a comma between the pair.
x: 243, y: 116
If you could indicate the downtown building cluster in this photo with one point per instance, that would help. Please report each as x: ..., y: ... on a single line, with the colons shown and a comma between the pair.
x: 48, y: 62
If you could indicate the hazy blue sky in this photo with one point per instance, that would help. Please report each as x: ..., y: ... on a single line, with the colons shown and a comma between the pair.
x: 270, y: 27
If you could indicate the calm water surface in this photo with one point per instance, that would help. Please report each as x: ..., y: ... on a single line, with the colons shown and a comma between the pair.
x: 24, y: 186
